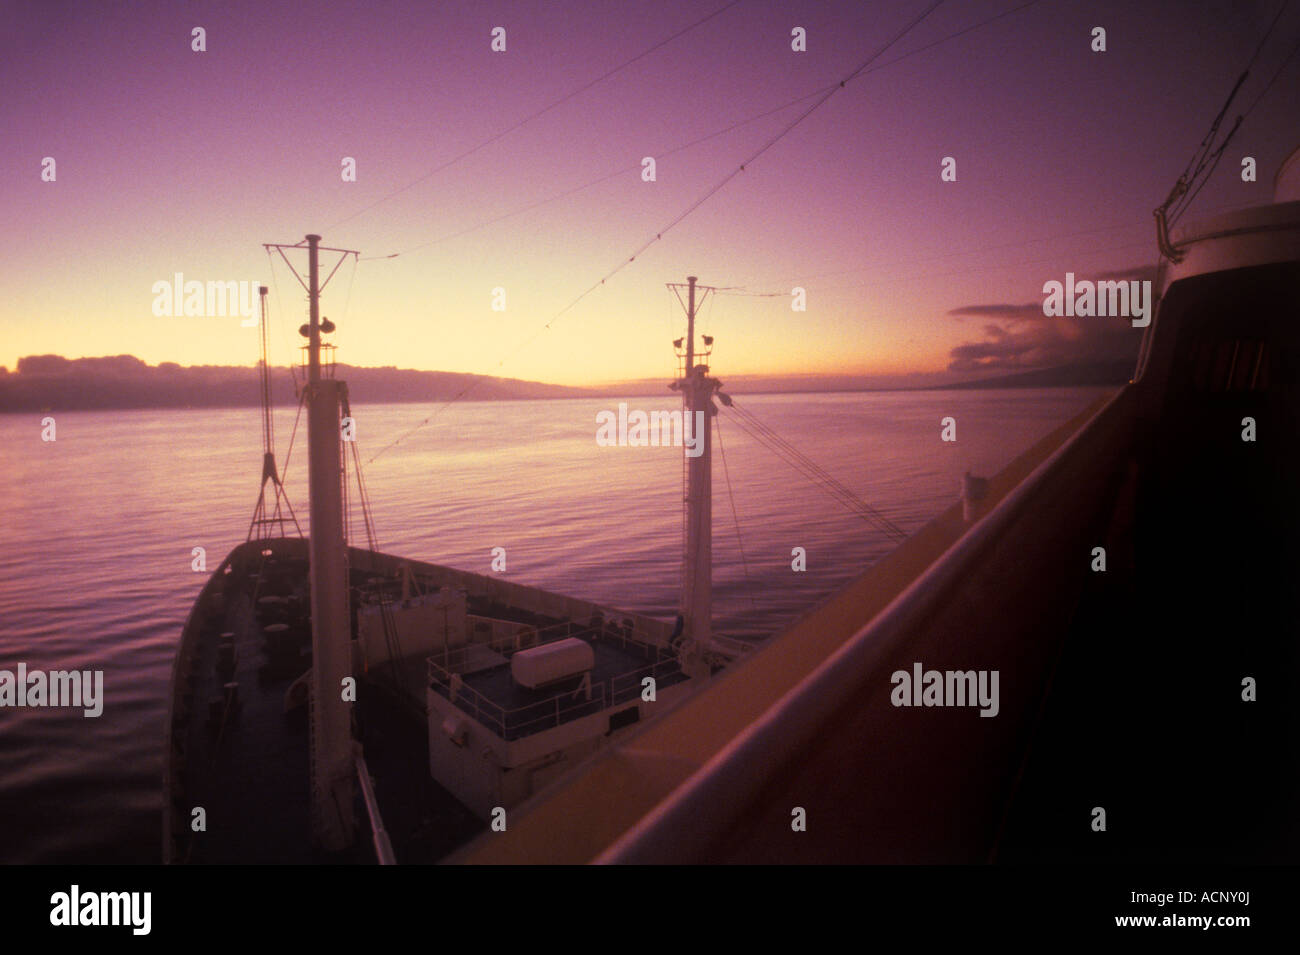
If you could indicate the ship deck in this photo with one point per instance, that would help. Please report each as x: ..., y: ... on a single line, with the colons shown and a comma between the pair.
x: 235, y: 755
x: 514, y: 711
x: 239, y: 753
x: 245, y: 758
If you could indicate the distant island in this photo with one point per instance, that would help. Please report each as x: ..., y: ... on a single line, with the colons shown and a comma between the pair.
x: 1084, y: 374
x: 53, y: 383
x: 120, y: 382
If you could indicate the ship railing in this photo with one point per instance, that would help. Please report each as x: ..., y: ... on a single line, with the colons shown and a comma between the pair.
x: 455, y: 659
x: 628, y: 686
x: 525, y: 720
x: 626, y: 638
x: 483, y: 710
x: 561, y: 707
x: 379, y: 835
x: 507, y: 636
x: 556, y: 606
x: 510, y: 637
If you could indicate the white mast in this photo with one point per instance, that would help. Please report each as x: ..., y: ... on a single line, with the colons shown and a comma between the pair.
x: 698, y: 409
x: 332, y: 754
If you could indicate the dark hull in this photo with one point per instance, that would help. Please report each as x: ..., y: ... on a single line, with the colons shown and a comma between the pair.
x: 246, y: 762
x: 243, y: 757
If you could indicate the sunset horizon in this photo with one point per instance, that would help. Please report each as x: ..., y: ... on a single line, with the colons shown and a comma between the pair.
x: 663, y: 432
x: 484, y: 228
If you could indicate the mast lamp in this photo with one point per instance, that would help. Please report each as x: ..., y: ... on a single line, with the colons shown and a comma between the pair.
x: 326, y: 327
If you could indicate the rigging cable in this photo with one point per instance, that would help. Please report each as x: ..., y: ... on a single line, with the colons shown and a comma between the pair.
x: 293, y: 434
x: 695, y: 142
x: 301, y: 395
x: 352, y: 280
x: 735, y: 517
x: 811, y: 469
x: 743, y: 289
x: 1251, y: 108
x: 392, y: 637
x: 1181, y: 196
x: 285, y: 332
x: 828, y: 485
x: 928, y: 275
x: 686, y: 212
x: 284, y: 470
x: 546, y: 109
x: 1240, y: 119
x: 662, y: 154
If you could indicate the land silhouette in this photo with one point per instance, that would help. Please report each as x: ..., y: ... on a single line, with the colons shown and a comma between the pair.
x: 119, y: 382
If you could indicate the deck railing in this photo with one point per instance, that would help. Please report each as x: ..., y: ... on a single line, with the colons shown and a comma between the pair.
x: 445, y: 677
x: 628, y: 686
x: 510, y: 593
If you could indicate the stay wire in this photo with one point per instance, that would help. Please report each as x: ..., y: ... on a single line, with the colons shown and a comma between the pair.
x: 744, y: 289
x: 695, y: 142
x: 285, y: 332
x: 865, y: 67
x: 826, y: 485
x: 1191, y: 196
x: 843, y: 489
x: 623, y: 171
x: 677, y: 220
x: 816, y: 472
x: 735, y: 517
x: 1203, y: 155
x: 541, y: 112
x: 1289, y: 57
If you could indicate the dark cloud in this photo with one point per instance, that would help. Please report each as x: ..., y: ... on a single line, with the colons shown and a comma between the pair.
x: 1012, y: 313
x: 1034, y: 340
x: 1005, y: 353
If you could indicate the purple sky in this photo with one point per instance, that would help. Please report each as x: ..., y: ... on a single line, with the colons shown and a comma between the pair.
x: 173, y: 161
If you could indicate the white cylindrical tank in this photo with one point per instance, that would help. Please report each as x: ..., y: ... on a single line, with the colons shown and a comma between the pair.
x: 552, y: 661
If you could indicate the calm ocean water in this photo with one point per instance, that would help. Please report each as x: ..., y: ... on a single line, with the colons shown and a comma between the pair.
x: 97, y: 529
